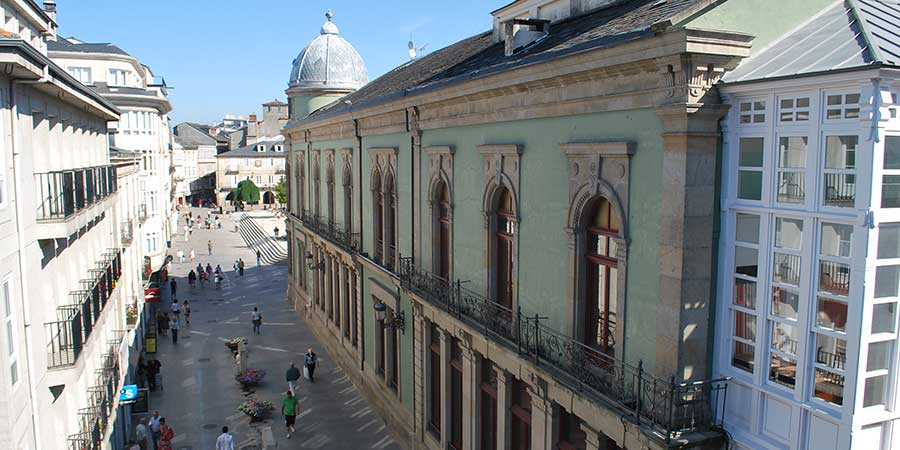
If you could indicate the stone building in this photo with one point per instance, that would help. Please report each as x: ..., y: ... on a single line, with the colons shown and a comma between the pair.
x: 69, y: 263
x: 510, y: 242
x: 262, y: 162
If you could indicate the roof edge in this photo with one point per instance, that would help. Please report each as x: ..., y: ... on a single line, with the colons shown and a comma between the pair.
x: 866, y: 33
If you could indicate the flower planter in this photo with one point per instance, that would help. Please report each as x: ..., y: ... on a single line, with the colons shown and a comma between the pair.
x: 250, y: 377
x: 256, y: 409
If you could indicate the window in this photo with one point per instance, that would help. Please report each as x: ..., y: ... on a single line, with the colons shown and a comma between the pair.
x: 841, y: 106
x: 601, y: 229
x: 750, y: 168
x: 791, y: 169
x: 571, y: 436
x: 883, y: 333
x: 434, y: 391
x: 753, y: 112
x: 840, y: 171
x: 784, y: 333
x: 520, y: 416
x: 329, y: 177
x: 441, y: 239
x: 390, y: 223
x: 488, y: 406
x: 82, y: 74
x: 504, y: 235
x: 746, y: 266
x: 793, y: 109
x: 378, y: 216
x: 890, y: 180
x: 317, y: 197
x: 12, y: 341
x: 348, y: 200
x: 117, y: 77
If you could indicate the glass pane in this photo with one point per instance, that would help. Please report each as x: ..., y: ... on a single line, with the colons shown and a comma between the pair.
x: 744, y: 293
x: 747, y: 228
x: 783, y: 371
x: 745, y: 261
x: 786, y: 269
x: 831, y: 314
x: 791, y: 187
x: 876, y: 391
x: 759, y: 106
x: 751, y: 152
x: 833, y: 114
x: 829, y: 387
x: 879, y: 356
x: 785, y: 337
x: 834, y: 99
x: 787, y: 103
x: 851, y: 99
x: 891, y: 152
x: 745, y: 326
x: 889, y: 240
x: 750, y: 185
x: 836, y: 239
x: 792, y: 152
x: 884, y: 318
x: 831, y: 352
x: 745, y: 106
x: 785, y: 303
x: 834, y: 278
x: 887, y: 279
x: 743, y: 356
x: 788, y: 233
x: 803, y: 102
x: 890, y: 191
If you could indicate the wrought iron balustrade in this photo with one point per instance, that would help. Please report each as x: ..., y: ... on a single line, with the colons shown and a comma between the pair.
x: 65, y: 337
x: 61, y: 194
x: 142, y: 213
x: 669, y: 408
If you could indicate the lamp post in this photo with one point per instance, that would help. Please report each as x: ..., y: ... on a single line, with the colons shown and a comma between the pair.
x: 313, y: 266
x: 397, y: 321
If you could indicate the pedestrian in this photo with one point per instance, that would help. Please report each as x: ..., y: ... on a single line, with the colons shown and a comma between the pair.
x: 311, y: 361
x: 193, y: 256
x: 292, y: 375
x: 176, y: 308
x: 187, y: 232
x: 166, y: 434
x: 155, y: 428
x: 235, y: 266
x: 209, y: 271
x: 258, y: 258
x: 256, y: 318
x: 289, y: 407
x: 181, y: 255
x: 218, y: 280
x: 152, y: 370
x: 218, y: 269
x: 209, y: 246
x: 187, y: 311
x: 225, y: 440
x: 160, y: 324
x: 142, y: 371
x: 241, y: 266
x: 192, y: 278
x: 199, y: 268
x: 172, y: 286
x: 142, y: 435
x: 175, y: 327
x: 165, y: 324
x: 276, y: 232
x: 218, y: 224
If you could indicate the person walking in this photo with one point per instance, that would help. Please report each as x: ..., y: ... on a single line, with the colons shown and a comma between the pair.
x: 292, y: 375
x: 311, y: 361
x: 176, y: 308
x: 256, y: 318
x: 187, y: 311
x: 225, y: 441
x: 181, y: 256
x: 165, y: 324
x: 218, y: 280
x: 192, y: 278
x: 155, y: 428
x: 187, y: 232
x: 209, y: 246
x: 289, y: 407
x: 166, y: 434
x: 142, y: 435
x: 241, y: 266
x: 175, y: 327
x: 172, y: 285
x: 276, y: 232
x: 209, y: 271
x: 258, y: 258
x: 235, y: 266
x: 152, y: 370
x: 193, y: 256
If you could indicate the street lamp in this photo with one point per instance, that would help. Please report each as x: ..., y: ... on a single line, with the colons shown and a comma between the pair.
x: 397, y: 322
x: 312, y: 265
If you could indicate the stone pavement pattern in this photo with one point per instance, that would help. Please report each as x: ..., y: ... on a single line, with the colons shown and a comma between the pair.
x: 200, y: 394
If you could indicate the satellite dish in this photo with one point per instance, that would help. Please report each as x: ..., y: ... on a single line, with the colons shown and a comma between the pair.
x: 413, y: 50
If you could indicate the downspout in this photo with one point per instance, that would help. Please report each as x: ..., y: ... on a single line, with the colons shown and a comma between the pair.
x: 13, y: 115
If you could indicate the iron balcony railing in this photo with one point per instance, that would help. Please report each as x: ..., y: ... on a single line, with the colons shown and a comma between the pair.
x: 668, y: 407
x: 335, y: 234
x: 142, y: 213
x: 65, y: 337
x: 127, y: 231
x: 62, y: 194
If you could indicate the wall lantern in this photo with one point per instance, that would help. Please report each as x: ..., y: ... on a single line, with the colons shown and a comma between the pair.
x: 397, y: 322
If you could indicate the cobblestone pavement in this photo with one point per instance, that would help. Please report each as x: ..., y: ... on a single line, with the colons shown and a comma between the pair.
x: 200, y: 394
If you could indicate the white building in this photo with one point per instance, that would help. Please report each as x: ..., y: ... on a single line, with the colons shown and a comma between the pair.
x: 68, y: 270
x: 809, y: 261
x: 184, y: 160
x: 143, y: 127
x: 202, y: 146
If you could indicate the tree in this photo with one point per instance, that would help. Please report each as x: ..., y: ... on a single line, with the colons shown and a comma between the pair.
x: 281, y: 191
x: 245, y: 192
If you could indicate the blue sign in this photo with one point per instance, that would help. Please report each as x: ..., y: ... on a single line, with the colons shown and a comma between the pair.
x: 128, y: 393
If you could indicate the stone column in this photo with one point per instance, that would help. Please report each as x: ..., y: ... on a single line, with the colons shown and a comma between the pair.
x: 342, y: 299
x: 543, y: 433
x: 445, y: 387
x: 469, y: 395
x: 420, y: 374
x: 686, y: 239
x: 504, y: 402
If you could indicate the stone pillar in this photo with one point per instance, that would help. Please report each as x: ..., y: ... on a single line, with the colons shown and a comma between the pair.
x: 328, y: 287
x: 445, y: 387
x: 420, y: 373
x: 686, y: 239
x: 469, y: 396
x: 342, y: 299
x: 359, y: 330
x: 504, y: 402
x: 543, y: 433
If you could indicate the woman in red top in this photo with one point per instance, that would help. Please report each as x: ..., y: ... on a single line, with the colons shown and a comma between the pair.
x: 165, y: 436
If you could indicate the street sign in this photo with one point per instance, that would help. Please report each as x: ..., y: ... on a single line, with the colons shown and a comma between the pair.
x: 128, y: 393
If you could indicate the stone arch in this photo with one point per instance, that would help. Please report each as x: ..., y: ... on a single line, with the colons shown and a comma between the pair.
x: 490, y: 195
x: 436, y: 179
x: 346, y: 175
x: 375, y: 179
x: 583, y: 198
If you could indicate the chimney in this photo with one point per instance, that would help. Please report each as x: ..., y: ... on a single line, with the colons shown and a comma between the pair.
x: 520, y: 33
x: 252, y: 117
x: 50, y: 9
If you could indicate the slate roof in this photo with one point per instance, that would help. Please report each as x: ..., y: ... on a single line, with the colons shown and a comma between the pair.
x: 250, y: 150
x: 850, y: 35
x: 275, y: 103
x: 201, y: 137
x: 104, y: 88
x: 479, y: 56
x: 62, y: 44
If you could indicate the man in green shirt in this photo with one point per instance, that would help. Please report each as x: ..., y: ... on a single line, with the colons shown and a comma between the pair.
x: 289, y: 408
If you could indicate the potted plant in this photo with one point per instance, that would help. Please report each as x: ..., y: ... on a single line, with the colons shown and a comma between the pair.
x: 131, y: 314
x: 256, y: 409
x: 250, y: 377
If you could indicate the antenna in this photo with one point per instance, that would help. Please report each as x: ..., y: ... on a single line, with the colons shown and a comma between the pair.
x: 413, y: 50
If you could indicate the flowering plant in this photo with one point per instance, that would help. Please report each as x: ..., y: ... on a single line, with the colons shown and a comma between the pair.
x: 250, y: 377
x: 256, y: 409
x: 233, y: 343
x: 131, y: 314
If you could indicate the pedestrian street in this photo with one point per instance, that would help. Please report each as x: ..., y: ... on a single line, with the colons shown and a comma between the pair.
x: 199, y: 394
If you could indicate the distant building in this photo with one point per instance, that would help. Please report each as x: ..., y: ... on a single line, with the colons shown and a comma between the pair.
x: 262, y: 162
x: 196, y: 141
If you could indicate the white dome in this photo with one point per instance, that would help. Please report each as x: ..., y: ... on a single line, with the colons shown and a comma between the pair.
x: 329, y: 62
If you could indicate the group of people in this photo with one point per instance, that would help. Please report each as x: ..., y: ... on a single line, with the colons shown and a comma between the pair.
x: 204, y: 275
x: 153, y: 434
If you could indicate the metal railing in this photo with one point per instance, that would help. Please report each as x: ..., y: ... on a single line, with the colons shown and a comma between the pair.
x: 332, y: 232
x: 64, y: 337
x: 61, y: 194
x: 142, y: 213
x: 668, y: 407
x: 127, y: 231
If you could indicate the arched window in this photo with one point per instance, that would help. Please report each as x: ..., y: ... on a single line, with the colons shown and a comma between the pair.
x: 301, y: 184
x: 330, y: 180
x: 348, y: 200
x: 441, y: 211
x: 600, y: 230
x: 504, y: 241
x: 317, y: 190
x: 390, y: 225
x: 377, y: 216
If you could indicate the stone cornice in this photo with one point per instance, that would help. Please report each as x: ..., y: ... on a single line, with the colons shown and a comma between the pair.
x: 439, y: 150
x: 502, y: 149
x: 598, y: 148
x: 389, y: 150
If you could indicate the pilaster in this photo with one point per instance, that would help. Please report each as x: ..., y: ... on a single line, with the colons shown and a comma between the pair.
x: 469, y: 395
x: 359, y: 330
x: 445, y: 387
x: 420, y: 376
x: 343, y: 301
x: 543, y: 433
x: 504, y: 402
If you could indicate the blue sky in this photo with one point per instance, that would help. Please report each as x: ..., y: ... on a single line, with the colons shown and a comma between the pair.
x: 230, y: 56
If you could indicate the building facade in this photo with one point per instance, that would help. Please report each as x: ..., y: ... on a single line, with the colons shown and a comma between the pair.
x: 510, y: 242
x: 808, y: 259
x: 197, y: 143
x: 69, y: 269
x: 262, y: 162
x: 143, y: 126
x: 185, y: 162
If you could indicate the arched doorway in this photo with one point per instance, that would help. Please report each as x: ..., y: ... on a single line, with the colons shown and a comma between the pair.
x: 269, y: 198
